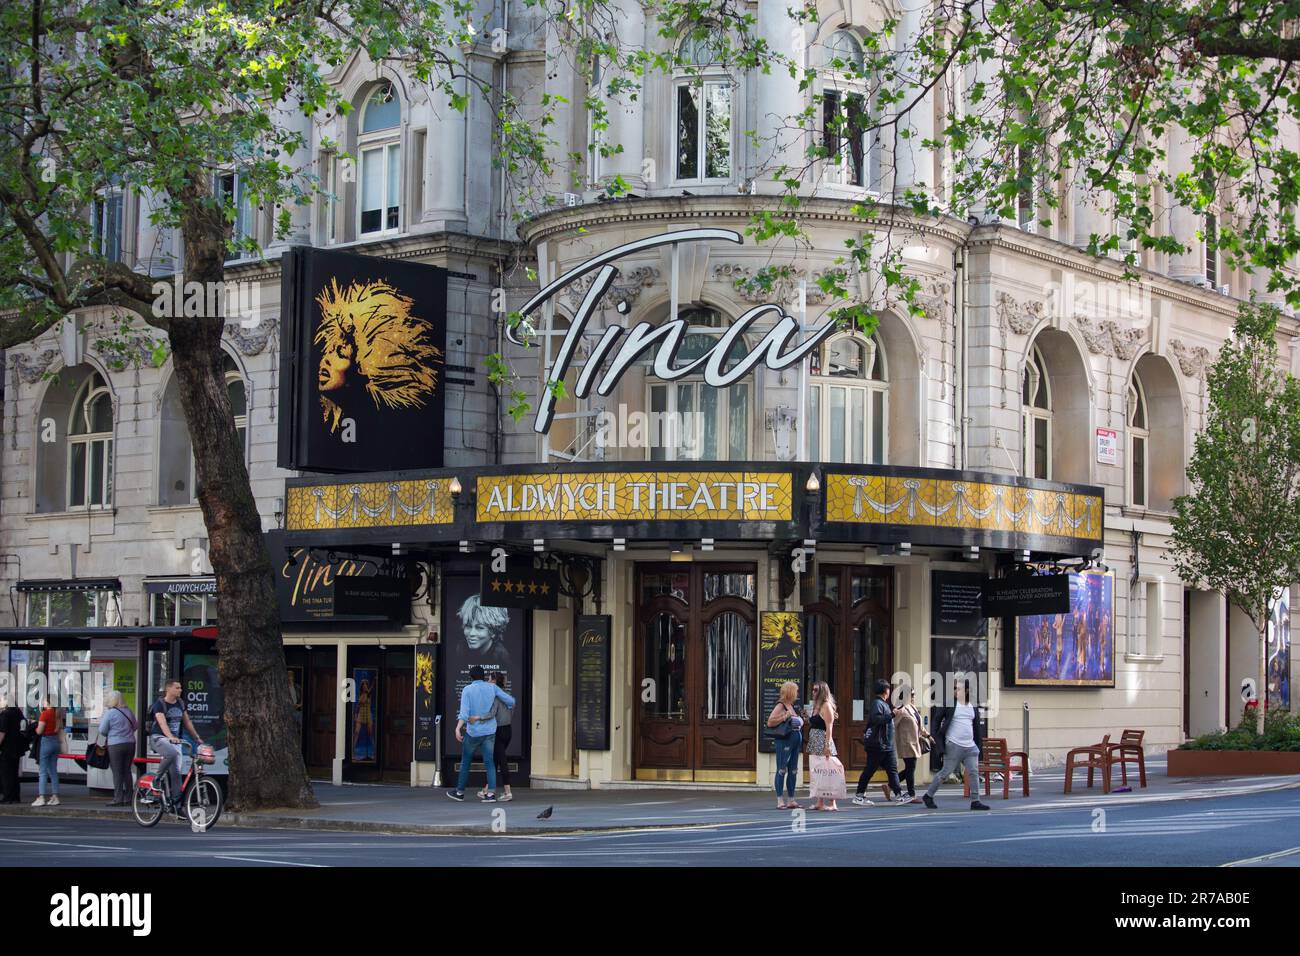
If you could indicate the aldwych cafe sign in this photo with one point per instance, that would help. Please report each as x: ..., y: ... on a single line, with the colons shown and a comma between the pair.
x: 666, y: 337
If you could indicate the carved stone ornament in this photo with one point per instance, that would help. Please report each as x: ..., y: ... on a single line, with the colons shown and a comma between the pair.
x: 123, y: 353
x: 933, y: 297
x: 1191, y: 359
x: 624, y: 291
x: 784, y: 288
x: 1106, y: 337
x: 251, y: 341
x: 30, y: 368
x: 1019, y: 317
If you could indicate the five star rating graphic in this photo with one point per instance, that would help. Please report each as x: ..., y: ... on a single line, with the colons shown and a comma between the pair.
x: 521, y: 585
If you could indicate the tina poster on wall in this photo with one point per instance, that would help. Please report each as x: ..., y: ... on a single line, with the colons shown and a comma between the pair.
x: 1279, y: 654
x: 1070, y: 650
x: 364, y: 719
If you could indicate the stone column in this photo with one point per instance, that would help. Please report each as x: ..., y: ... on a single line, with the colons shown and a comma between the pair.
x: 1184, y: 223
x: 778, y: 99
x: 913, y: 163
x: 444, y: 161
x: 626, y: 116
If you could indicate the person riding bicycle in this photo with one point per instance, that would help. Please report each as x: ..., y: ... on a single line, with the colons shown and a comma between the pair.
x: 168, y: 713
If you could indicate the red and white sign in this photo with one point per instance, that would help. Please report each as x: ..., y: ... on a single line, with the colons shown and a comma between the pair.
x: 1107, y: 446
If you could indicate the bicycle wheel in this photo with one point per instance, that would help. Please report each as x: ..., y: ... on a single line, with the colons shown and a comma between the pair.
x: 147, y: 806
x: 203, y: 803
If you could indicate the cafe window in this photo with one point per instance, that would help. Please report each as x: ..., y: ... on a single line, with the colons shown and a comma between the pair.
x: 73, y: 608
x: 703, y: 101
x: 182, y: 610
x: 848, y: 410
x: 380, y: 151
x: 90, y: 446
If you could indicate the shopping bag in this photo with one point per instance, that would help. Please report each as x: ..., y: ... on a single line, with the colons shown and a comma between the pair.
x: 826, y: 775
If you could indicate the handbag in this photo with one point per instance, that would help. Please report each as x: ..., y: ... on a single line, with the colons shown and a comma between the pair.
x: 826, y: 778
x: 97, y: 756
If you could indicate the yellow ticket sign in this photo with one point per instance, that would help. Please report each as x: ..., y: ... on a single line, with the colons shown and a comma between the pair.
x: 636, y: 496
x: 369, y: 504
x: 961, y: 504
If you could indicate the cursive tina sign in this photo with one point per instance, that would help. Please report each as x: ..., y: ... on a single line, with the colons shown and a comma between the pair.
x: 666, y: 338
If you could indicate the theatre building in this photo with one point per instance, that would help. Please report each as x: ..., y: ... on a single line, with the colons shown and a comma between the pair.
x: 713, y: 486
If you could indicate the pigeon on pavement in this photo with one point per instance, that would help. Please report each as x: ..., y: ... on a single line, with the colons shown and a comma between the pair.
x: 545, y: 814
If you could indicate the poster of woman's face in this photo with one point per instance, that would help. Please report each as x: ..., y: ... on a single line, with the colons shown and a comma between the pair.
x: 478, y: 634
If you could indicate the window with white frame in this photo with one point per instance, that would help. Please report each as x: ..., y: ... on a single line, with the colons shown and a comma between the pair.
x: 853, y: 152
x: 702, y: 98
x: 1211, y: 251
x: 691, y: 420
x: 1036, y: 423
x: 73, y: 607
x: 231, y: 187
x: 1139, y: 441
x: 90, y: 446
x: 182, y: 610
x: 106, y: 222
x: 379, y: 152
x: 848, y: 402
x: 177, y: 481
x: 1027, y: 192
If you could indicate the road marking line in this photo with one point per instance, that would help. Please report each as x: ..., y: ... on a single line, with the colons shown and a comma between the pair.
x: 81, y: 846
x: 249, y: 859
x: 1266, y: 857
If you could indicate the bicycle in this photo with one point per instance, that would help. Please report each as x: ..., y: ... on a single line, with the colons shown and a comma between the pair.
x: 200, y: 796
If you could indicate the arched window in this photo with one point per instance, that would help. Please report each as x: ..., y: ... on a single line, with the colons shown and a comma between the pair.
x: 380, y: 152
x: 1139, y: 437
x: 177, y: 482
x: 90, y: 446
x: 690, y: 420
x: 1036, y: 431
x: 853, y: 151
x: 848, y: 408
x: 703, y: 104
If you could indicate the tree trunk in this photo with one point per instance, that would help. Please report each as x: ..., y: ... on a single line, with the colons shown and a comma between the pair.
x: 1263, y: 675
x: 266, y: 764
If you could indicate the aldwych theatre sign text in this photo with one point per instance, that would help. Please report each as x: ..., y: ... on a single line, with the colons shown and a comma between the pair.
x: 715, y: 365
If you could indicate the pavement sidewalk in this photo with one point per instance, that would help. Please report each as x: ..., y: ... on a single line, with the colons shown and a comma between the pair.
x: 398, y: 809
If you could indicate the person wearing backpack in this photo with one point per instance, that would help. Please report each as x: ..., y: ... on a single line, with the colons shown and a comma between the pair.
x: 49, y: 730
x: 119, y: 725
x: 879, y: 741
x: 13, y: 743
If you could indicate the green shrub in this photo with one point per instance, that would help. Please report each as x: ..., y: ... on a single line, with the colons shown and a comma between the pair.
x: 1281, y: 733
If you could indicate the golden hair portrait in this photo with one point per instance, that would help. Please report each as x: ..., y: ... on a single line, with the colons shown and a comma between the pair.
x: 371, y: 342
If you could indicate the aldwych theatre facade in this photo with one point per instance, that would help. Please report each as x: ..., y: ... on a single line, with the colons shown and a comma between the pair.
x: 711, y: 489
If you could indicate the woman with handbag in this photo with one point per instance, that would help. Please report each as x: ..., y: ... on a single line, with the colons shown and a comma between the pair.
x: 911, y: 740
x: 821, y: 742
x: 119, y: 726
x: 785, y: 727
x: 49, y: 731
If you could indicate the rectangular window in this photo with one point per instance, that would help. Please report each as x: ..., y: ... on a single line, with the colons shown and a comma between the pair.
x: 704, y: 130
x: 106, y: 220
x: 380, y: 185
x: 417, y: 173
x: 1211, y: 253
x: 814, y: 421
x: 1026, y: 198
x: 1138, y: 454
x: 1154, y: 594
x: 90, y: 473
x: 843, y: 131
x: 1042, y: 452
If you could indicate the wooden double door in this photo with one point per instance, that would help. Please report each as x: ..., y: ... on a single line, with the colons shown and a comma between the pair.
x: 848, y: 640
x: 696, y: 661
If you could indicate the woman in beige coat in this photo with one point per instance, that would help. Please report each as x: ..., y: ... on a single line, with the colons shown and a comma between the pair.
x: 908, y: 734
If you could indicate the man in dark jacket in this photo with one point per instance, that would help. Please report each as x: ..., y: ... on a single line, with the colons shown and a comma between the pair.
x: 12, y: 744
x: 879, y: 741
x: 960, y: 738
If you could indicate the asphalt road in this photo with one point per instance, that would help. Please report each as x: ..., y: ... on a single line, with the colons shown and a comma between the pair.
x: 1250, y: 830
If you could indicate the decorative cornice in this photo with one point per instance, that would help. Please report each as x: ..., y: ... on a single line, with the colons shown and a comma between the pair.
x: 933, y: 297
x: 1106, y: 337
x: 251, y: 341
x: 32, y: 368
x: 622, y: 294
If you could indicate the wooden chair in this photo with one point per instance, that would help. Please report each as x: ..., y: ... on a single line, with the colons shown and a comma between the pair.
x: 1129, y: 750
x: 1094, y: 757
x: 994, y: 758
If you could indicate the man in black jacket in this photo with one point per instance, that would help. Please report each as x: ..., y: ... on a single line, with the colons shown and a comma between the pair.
x: 879, y: 741
x: 960, y: 739
x: 12, y: 744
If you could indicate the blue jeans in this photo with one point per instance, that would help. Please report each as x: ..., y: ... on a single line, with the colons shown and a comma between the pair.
x: 467, y: 755
x: 787, y: 762
x: 48, y: 765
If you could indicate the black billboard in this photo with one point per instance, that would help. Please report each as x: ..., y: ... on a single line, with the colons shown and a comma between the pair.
x: 363, y: 342
x: 1027, y: 594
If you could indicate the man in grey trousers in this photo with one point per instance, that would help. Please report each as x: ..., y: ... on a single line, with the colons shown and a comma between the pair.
x: 959, y: 735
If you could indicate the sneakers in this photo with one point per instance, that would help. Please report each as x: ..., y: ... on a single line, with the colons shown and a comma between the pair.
x: 903, y: 798
x: 861, y: 801
x: 488, y: 797
x: 505, y: 798
x: 38, y: 802
x: 976, y: 805
x: 929, y: 802
x: 53, y: 801
x: 457, y: 795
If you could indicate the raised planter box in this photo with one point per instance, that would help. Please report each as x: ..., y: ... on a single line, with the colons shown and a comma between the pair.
x: 1231, y: 763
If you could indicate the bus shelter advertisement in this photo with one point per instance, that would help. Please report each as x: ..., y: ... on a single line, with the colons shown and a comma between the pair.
x: 205, y: 701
